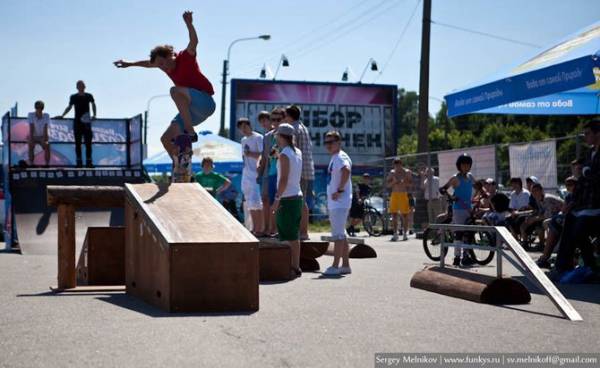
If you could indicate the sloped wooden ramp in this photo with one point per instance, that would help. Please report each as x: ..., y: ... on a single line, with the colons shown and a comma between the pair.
x: 185, y: 253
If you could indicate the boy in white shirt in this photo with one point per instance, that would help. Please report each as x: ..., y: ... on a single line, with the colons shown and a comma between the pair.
x: 252, y: 144
x: 38, y: 132
x: 339, y: 201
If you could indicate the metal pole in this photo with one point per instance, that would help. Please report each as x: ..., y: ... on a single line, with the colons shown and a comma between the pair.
x: 423, y: 124
x: 223, y: 98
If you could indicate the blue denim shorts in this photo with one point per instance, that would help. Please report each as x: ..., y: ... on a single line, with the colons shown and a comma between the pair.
x: 201, y: 108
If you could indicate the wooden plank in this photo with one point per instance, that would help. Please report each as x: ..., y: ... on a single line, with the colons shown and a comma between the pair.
x: 350, y: 240
x: 536, y: 275
x: 89, y: 289
x: 186, y: 214
x: 85, y: 196
x: 66, y: 247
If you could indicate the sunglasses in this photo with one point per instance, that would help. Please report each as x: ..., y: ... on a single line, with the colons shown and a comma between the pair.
x: 329, y: 142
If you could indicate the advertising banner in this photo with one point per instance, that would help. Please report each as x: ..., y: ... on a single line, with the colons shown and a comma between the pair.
x: 537, y: 159
x: 363, y: 114
x: 109, y: 142
x: 484, y: 162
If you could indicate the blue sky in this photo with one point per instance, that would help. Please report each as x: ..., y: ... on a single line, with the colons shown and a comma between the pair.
x: 48, y: 45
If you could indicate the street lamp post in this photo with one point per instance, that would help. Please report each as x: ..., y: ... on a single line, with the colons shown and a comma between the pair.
x: 146, y: 115
x: 225, y: 72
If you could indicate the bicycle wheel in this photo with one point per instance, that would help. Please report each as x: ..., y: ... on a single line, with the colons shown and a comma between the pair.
x: 432, y: 243
x: 373, y: 223
x: 481, y: 256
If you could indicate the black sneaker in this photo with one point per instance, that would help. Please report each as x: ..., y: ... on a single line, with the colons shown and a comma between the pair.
x: 456, y: 261
x: 467, y: 261
x: 350, y: 231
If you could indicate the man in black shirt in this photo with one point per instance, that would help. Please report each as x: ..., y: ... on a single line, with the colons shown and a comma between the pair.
x: 82, y: 124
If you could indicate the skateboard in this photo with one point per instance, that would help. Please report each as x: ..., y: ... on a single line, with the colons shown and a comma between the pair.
x: 182, y: 163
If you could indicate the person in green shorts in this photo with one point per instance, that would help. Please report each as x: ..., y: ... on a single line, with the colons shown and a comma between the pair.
x: 288, y: 198
x: 214, y: 183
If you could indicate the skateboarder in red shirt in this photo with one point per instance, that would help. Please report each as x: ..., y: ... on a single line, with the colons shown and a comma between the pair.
x: 192, y: 92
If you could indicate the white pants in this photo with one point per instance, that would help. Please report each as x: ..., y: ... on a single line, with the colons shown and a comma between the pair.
x: 251, y: 191
x: 337, y: 219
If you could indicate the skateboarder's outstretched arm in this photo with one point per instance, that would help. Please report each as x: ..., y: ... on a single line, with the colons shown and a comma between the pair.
x: 191, y: 47
x: 142, y: 63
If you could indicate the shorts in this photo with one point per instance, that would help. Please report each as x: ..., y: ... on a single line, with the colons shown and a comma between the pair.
x: 357, y: 211
x: 251, y: 192
x: 337, y: 219
x: 201, y: 107
x: 399, y: 203
x: 268, y: 188
x: 307, y: 190
x: 288, y: 218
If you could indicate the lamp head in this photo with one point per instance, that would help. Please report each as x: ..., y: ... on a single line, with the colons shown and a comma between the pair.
x: 265, y: 37
x: 345, y: 76
x: 284, y: 61
x: 374, y: 66
x: 263, y: 72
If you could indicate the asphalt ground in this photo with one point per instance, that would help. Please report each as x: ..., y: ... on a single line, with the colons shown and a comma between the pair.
x: 309, y: 322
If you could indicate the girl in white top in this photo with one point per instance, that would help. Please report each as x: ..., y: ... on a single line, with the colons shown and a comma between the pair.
x: 38, y: 131
x: 288, y: 198
x: 339, y: 201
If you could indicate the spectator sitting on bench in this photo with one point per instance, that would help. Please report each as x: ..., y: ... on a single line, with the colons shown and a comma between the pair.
x: 581, y: 224
x: 519, y: 201
x: 554, y: 225
x: 499, y: 210
x: 546, y: 206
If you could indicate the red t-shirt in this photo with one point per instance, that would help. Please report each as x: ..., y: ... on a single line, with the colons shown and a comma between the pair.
x: 188, y: 74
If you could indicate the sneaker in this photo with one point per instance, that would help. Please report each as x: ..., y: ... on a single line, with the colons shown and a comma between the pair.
x: 543, y: 263
x: 456, y: 261
x: 467, y: 261
x: 405, y: 237
x: 345, y: 270
x: 332, y: 271
x: 410, y: 232
x: 350, y: 231
x: 394, y: 238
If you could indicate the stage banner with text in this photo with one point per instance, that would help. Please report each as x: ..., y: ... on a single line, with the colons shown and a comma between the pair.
x: 484, y: 162
x: 537, y: 159
x: 364, y: 114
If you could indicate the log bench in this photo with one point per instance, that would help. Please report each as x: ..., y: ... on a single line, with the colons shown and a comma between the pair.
x: 359, y: 250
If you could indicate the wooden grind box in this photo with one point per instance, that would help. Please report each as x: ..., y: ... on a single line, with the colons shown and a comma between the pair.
x: 185, y: 253
x: 102, y: 257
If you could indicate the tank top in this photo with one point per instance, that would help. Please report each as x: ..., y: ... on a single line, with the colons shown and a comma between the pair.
x: 463, y: 192
x: 294, y: 156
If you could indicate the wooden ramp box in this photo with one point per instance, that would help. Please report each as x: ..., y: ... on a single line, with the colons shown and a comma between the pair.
x: 185, y: 253
x: 275, y: 262
x: 102, y: 257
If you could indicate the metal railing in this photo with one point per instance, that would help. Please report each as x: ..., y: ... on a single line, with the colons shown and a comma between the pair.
x: 508, y: 247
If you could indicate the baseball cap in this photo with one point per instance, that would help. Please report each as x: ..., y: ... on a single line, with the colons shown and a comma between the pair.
x: 534, y: 179
x: 285, y: 129
x: 490, y: 181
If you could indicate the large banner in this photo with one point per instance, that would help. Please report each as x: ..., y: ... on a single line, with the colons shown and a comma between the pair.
x: 537, y: 159
x: 110, y: 141
x: 484, y: 162
x: 363, y: 114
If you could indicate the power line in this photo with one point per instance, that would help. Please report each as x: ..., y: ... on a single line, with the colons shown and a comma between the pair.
x: 412, y: 15
x: 315, y: 36
x: 486, y: 34
x: 345, y: 32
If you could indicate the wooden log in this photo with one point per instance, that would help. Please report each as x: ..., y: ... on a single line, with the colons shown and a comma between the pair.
x: 471, y: 286
x: 66, y: 247
x: 86, y: 196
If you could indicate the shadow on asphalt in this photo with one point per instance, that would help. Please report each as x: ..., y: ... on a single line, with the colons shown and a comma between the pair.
x: 123, y: 300
x: 589, y: 293
x: 136, y: 305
